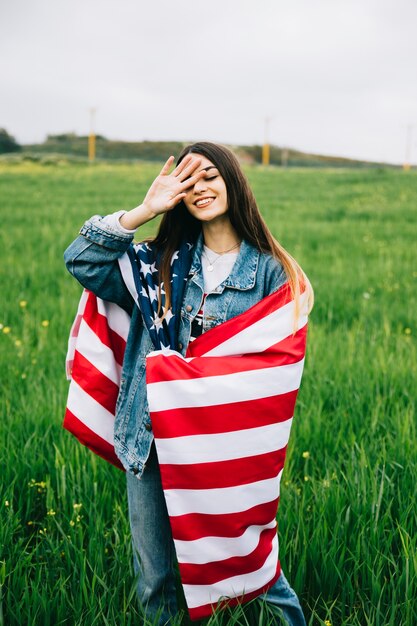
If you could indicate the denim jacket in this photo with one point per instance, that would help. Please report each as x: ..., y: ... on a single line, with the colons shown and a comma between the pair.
x: 92, y: 259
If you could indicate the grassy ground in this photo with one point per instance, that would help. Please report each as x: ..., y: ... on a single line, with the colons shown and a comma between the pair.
x: 348, y: 521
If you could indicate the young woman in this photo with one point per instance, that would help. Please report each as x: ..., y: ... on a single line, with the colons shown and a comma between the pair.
x: 234, y: 264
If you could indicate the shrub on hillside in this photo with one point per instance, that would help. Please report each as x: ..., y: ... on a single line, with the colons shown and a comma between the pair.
x: 7, y: 142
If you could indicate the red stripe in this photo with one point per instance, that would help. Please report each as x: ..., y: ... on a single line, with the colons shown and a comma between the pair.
x: 213, y: 572
x: 196, y: 525
x: 292, y: 347
x: 206, y: 610
x: 172, y: 367
x: 223, y: 418
x: 217, y: 335
x: 92, y: 381
x: 99, y: 325
x: 90, y: 439
x: 222, y: 474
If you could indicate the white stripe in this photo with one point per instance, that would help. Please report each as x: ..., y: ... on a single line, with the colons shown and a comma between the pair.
x: 72, y: 339
x: 117, y: 318
x: 209, y: 549
x: 264, y: 333
x: 224, y: 389
x: 222, y: 501
x: 91, y: 413
x: 199, y: 595
x: 127, y: 275
x: 224, y: 446
x: 100, y: 355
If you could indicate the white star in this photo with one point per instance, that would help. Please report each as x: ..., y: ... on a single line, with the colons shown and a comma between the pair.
x: 144, y: 292
x: 153, y: 268
x: 152, y: 294
x: 157, y: 323
x: 168, y: 315
x: 174, y: 256
x: 190, y: 245
x: 146, y: 268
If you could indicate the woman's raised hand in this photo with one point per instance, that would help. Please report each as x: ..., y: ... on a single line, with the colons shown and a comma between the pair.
x: 166, y: 191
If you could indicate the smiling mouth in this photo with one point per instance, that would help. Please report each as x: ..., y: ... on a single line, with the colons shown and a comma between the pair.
x: 203, y: 202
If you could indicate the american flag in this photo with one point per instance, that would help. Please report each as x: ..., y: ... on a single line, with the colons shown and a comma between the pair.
x: 221, y: 418
x: 96, y: 348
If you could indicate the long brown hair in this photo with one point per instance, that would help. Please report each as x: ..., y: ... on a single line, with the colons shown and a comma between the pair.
x: 244, y: 216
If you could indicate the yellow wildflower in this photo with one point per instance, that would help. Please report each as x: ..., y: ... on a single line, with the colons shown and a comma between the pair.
x: 76, y: 506
x: 30, y: 523
x: 72, y: 523
x: 23, y: 303
x: 51, y: 512
x: 6, y: 329
x: 326, y: 483
x: 306, y: 478
x: 17, y: 343
x: 327, y: 622
x: 407, y: 331
x: 45, y: 323
x: 7, y: 503
x: 306, y: 454
x: 78, y: 518
x: 23, y: 376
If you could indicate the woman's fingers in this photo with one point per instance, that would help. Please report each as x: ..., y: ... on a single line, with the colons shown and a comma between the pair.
x: 189, y: 182
x: 184, y: 170
x: 175, y: 200
x: 182, y: 165
x: 189, y: 170
x: 164, y: 171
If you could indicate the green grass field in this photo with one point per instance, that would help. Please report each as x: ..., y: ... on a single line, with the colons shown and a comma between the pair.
x: 347, y: 519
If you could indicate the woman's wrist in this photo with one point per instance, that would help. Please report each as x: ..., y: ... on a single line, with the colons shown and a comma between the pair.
x: 136, y: 217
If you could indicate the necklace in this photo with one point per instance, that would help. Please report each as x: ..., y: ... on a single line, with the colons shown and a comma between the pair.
x: 210, y: 266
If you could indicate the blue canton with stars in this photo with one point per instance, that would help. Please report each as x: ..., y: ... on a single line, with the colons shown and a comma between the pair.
x: 144, y: 259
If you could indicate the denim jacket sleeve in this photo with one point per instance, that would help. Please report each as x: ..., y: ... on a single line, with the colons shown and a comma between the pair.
x: 92, y: 258
x: 275, y: 276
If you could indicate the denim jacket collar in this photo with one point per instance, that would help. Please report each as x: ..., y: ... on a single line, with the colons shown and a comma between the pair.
x: 243, y: 274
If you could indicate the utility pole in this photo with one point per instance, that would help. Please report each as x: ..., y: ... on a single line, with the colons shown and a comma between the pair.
x: 92, y: 137
x: 265, y: 147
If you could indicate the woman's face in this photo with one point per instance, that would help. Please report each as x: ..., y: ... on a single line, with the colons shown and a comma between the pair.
x: 207, y: 199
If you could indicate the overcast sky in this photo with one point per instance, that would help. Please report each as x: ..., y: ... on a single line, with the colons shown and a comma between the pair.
x: 335, y: 76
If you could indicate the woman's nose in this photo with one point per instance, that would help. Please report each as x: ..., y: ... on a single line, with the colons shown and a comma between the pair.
x: 200, y: 185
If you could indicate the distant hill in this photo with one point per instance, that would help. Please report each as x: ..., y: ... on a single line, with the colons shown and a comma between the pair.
x: 71, y: 144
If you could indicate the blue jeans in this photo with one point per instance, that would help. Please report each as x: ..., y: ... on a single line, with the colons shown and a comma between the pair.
x: 154, y: 553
